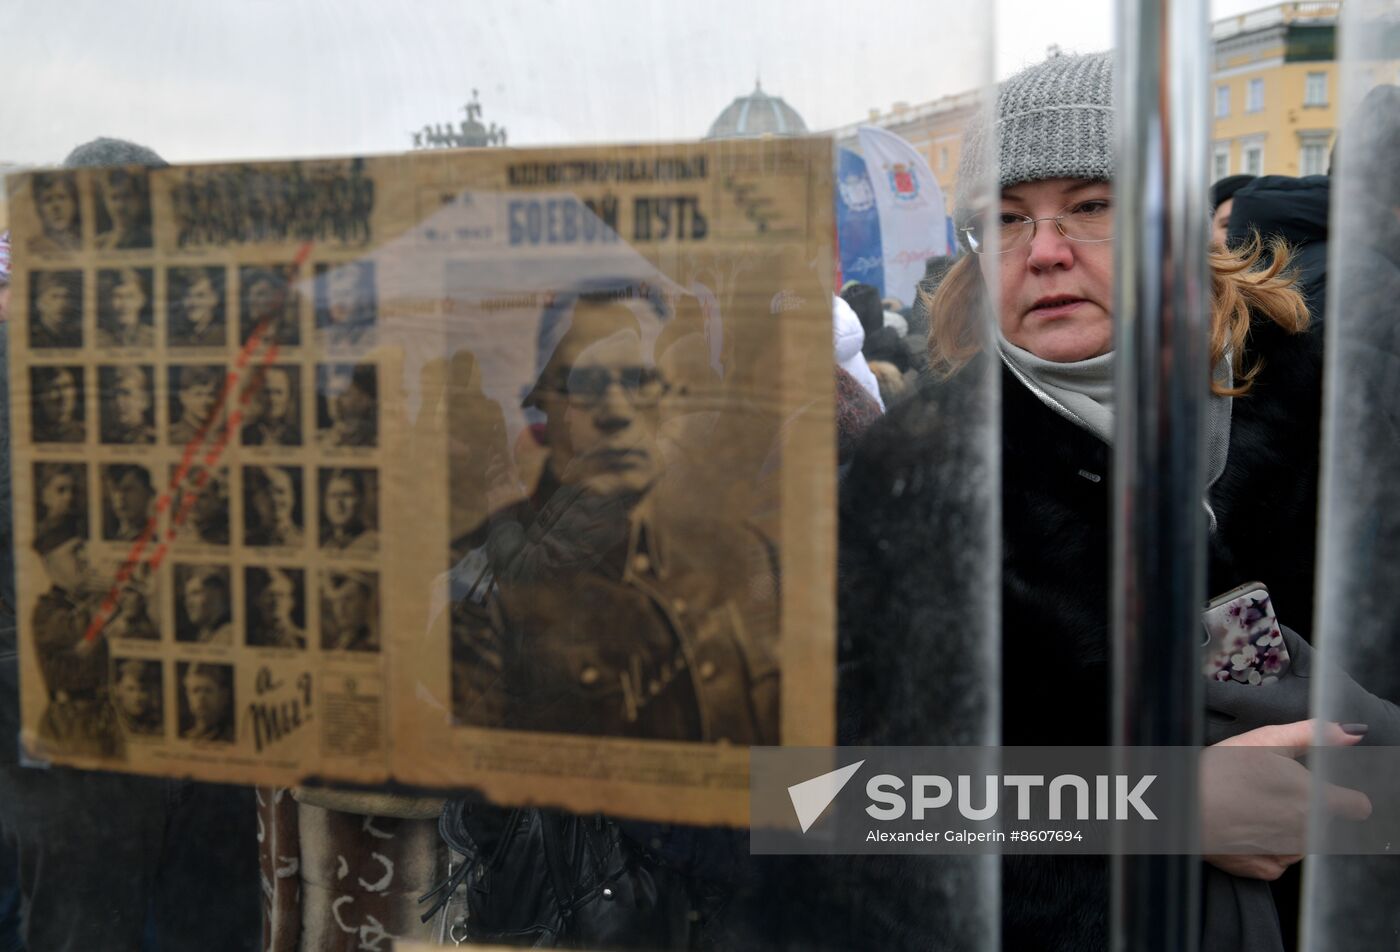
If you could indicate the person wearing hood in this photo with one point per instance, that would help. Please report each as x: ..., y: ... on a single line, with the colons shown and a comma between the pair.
x: 849, y: 338
x: 1222, y: 203
x: 1293, y: 210
x: 907, y: 673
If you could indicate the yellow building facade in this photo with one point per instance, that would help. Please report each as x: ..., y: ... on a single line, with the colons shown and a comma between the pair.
x: 1274, y: 98
x: 1274, y: 90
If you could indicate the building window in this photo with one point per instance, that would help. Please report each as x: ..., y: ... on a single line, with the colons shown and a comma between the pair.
x: 1220, y: 163
x: 1254, y: 99
x: 1312, y: 153
x: 1313, y: 161
x: 1254, y: 160
x: 1315, y: 92
x: 1222, y: 101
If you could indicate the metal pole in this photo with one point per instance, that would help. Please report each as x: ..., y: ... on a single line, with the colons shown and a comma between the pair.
x: 1162, y: 384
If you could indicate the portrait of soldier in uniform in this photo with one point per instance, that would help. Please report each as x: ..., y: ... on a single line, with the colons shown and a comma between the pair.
x: 131, y: 618
x: 197, y: 311
x: 124, y: 315
x: 203, y: 614
x: 349, y: 611
x: 55, y: 309
x: 58, y: 411
x: 276, y: 607
x: 200, y: 511
x: 126, y: 404
x: 268, y: 300
x: 60, y: 508
x: 591, y: 608
x: 194, y: 401
x: 345, y: 304
x: 347, y: 405
x: 273, y: 409
x: 78, y: 717
x: 123, y: 210
x: 272, y: 506
x: 137, y: 696
x: 60, y: 216
x: 349, y: 514
x: 128, y: 501
x: 206, y: 702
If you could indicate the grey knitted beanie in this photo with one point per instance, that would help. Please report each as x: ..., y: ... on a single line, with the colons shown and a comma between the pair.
x: 1053, y: 120
x: 104, y: 152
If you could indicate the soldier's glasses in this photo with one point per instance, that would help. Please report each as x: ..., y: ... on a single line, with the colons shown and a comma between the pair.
x: 1088, y: 220
x: 587, y: 386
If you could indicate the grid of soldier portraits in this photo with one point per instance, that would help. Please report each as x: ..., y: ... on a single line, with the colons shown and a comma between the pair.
x: 589, y: 390
x: 205, y: 496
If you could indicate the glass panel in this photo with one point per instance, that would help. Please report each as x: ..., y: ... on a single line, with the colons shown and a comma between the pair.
x: 1357, y: 676
x: 481, y: 372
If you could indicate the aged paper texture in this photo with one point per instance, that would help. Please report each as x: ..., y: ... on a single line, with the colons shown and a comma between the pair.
x: 502, y: 470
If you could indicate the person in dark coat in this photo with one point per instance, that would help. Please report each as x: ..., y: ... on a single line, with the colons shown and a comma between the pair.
x: 1294, y: 210
x: 1053, y: 352
x: 1222, y: 202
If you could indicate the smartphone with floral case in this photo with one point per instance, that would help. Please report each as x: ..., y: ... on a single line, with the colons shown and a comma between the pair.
x: 1243, y: 640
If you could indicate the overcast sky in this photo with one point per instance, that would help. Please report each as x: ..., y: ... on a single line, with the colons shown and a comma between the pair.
x: 222, y: 79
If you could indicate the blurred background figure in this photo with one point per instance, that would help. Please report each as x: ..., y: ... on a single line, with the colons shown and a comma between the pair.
x: 1292, y: 210
x: 1222, y: 202
x: 849, y: 337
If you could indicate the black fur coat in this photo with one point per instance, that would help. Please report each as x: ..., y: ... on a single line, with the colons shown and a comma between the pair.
x: 908, y: 676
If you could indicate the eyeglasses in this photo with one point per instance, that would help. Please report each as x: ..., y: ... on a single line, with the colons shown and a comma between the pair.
x: 587, y: 386
x: 1089, y: 220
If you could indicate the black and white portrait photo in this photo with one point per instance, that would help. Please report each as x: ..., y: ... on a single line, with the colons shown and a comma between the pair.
x: 59, y: 213
x: 200, y: 512
x: 60, y: 501
x: 125, y: 312
x: 349, y: 610
x: 272, y: 406
x: 349, y: 510
x: 198, y: 308
x: 126, y: 404
x: 273, y: 506
x: 59, y: 408
x: 55, y: 309
x: 203, y: 605
x: 77, y: 717
x: 128, y: 501
x: 275, y: 606
x: 138, y: 695
x: 268, y: 300
x: 347, y: 405
x: 123, y: 209
x: 195, y: 390
x: 206, y: 702
x: 134, y: 616
x: 577, y: 606
x: 346, y: 304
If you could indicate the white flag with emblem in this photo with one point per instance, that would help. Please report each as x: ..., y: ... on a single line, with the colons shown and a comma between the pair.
x: 913, y: 222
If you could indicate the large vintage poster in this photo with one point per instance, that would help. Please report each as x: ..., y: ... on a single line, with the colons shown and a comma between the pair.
x: 508, y: 470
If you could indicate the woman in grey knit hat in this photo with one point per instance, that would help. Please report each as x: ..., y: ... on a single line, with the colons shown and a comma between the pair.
x: 1034, y: 303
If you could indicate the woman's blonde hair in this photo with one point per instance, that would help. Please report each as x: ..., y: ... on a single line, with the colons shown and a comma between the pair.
x: 1253, y: 282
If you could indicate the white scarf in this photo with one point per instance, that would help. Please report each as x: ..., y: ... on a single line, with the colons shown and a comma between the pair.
x: 1081, y: 391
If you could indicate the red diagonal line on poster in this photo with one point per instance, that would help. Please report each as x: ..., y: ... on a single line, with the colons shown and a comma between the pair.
x: 191, y: 451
